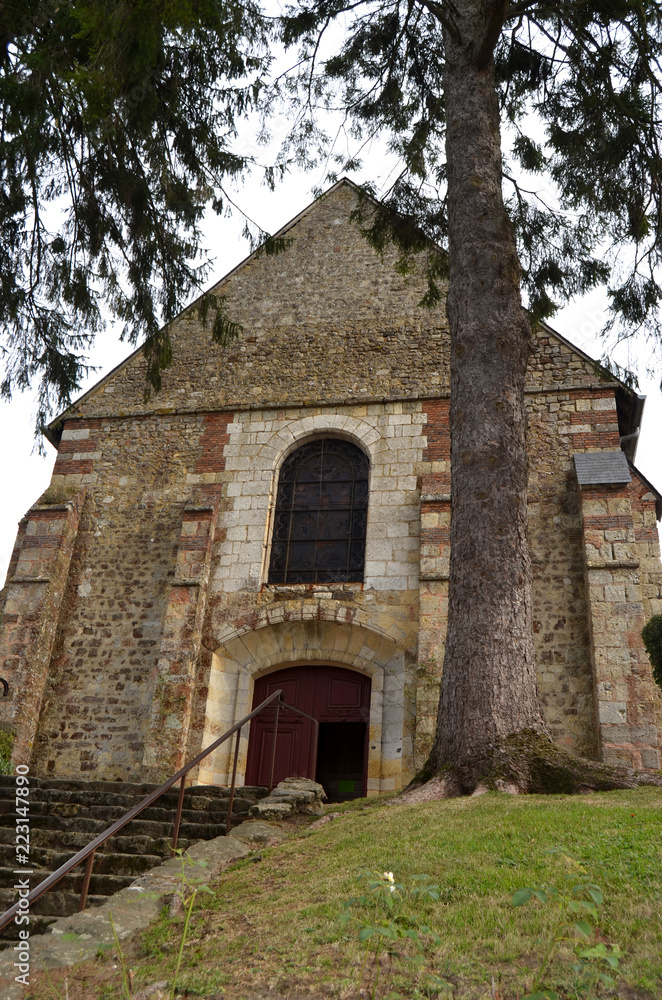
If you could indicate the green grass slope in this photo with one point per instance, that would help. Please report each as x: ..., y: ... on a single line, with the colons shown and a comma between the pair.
x: 274, y: 927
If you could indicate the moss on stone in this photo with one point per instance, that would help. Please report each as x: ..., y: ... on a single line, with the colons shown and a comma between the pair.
x: 54, y: 495
x: 6, y: 744
x: 652, y: 636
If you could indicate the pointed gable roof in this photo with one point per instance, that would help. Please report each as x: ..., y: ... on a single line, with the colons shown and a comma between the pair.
x: 324, y: 321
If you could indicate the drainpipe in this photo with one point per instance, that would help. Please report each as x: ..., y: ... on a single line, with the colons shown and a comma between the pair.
x: 631, y: 437
x: 629, y: 441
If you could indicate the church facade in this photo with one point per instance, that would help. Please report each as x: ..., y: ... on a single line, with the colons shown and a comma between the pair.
x: 278, y: 516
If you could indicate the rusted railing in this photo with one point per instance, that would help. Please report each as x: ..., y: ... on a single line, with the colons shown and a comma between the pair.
x: 87, y: 853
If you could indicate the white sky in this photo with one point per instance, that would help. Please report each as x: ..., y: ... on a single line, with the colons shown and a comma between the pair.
x: 26, y: 474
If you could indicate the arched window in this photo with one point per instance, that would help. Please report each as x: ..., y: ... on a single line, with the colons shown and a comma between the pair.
x: 321, y: 513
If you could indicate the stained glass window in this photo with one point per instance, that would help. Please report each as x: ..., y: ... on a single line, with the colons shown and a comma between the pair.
x: 321, y: 514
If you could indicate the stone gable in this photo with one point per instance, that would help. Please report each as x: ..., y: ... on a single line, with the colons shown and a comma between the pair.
x: 325, y: 321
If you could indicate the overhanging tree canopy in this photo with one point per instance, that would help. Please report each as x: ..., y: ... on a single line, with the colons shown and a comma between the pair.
x: 577, y: 85
x: 116, y: 128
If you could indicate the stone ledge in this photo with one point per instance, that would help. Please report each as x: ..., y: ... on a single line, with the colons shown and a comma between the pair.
x: 256, y: 833
x: 313, y: 590
x: 65, y: 506
x: 240, y: 406
x: 612, y: 564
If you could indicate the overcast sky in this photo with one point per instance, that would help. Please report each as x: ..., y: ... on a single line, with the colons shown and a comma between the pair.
x: 26, y: 474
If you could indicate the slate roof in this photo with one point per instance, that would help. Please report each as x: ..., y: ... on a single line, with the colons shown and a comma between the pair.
x: 602, y: 467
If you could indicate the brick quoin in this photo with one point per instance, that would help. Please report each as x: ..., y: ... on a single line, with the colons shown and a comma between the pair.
x: 66, y: 466
x: 607, y: 521
x: 594, y: 417
x: 599, y: 492
x: 437, y: 431
x: 198, y: 515
x: 436, y: 482
x: 187, y: 544
x: 602, y: 440
x: 435, y: 536
x: 213, y: 441
x: 638, y: 490
x: 596, y: 393
x: 76, y: 467
x: 645, y: 508
x: 77, y: 446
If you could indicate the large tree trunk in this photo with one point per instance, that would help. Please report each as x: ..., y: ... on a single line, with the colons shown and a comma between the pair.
x: 489, y: 686
x: 490, y: 727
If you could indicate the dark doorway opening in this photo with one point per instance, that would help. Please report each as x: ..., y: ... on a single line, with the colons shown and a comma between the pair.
x: 341, y: 759
x: 340, y: 700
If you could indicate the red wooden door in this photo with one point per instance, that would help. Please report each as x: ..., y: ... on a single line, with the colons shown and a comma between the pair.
x: 329, y: 694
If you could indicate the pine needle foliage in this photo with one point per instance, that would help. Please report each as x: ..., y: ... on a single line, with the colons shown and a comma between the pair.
x: 117, y: 121
x: 579, y: 91
x: 116, y: 126
x: 652, y: 636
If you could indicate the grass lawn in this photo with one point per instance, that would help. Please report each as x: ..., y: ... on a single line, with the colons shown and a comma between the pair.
x: 273, y: 929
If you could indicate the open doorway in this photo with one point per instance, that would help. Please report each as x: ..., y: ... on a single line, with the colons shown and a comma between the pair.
x: 341, y: 756
x: 340, y: 700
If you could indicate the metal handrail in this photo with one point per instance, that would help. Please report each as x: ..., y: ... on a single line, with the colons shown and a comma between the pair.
x: 87, y: 853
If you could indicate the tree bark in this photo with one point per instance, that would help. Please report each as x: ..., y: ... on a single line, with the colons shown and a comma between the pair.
x: 488, y: 689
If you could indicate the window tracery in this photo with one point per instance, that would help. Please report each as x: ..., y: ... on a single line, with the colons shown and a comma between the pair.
x: 321, y: 514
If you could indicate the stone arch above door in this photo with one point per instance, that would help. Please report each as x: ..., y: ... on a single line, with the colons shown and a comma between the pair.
x: 253, y: 653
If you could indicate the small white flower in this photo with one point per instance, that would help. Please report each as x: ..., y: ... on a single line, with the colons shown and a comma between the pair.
x: 392, y: 888
x: 389, y: 876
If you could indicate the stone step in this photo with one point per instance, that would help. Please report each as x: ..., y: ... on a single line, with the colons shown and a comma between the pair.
x: 100, y: 884
x: 39, y: 924
x: 136, y: 794
x: 110, y: 814
x: 67, y: 814
x: 110, y: 863
x: 72, y: 841
x: 55, y: 903
x: 141, y: 827
x: 125, y: 843
x: 55, y: 799
x: 125, y: 788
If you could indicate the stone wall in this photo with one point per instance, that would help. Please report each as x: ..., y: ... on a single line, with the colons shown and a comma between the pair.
x: 165, y: 617
x: 35, y: 587
x: 326, y: 321
x: 106, y: 656
x: 141, y: 661
x: 561, y: 422
x: 628, y: 702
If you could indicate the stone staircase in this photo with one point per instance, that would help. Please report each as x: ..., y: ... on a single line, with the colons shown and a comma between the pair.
x: 66, y: 814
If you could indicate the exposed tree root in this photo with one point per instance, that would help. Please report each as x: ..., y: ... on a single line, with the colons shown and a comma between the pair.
x: 525, y: 762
